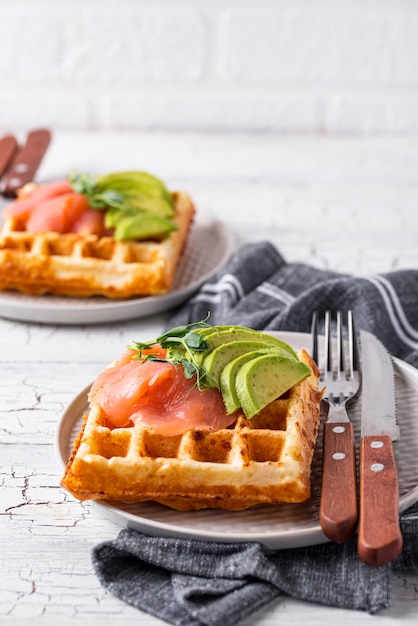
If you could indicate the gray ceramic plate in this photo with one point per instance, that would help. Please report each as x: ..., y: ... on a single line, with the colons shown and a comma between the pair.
x: 208, y: 247
x: 282, y: 526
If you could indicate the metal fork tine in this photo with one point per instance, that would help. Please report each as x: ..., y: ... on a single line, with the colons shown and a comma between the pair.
x: 314, y: 334
x: 328, y: 347
x: 340, y: 349
x: 351, y: 341
x: 353, y: 345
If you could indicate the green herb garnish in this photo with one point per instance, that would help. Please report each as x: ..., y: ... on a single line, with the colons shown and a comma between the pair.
x: 182, y: 343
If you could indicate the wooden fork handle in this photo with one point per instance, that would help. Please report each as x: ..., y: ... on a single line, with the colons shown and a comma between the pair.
x: 379, y: 537
x: 338, y: 511
x: 26, y: 162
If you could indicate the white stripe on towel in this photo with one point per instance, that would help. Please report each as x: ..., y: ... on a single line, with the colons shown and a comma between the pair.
x: 395, y: 311
x: 213, y: 292
x: 275, y: 292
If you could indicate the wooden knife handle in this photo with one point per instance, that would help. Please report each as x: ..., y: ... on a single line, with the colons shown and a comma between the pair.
x: 338, y: 511
x: 8, y: 149
x: 379, y: 538
x: 26, y: 162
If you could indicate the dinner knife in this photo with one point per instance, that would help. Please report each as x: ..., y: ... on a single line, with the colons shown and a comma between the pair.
x: 379, y: 535
x: 26, y: 162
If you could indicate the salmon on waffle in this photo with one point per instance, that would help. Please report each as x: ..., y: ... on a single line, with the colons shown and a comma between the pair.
x: 155, y: 434
x: 68, y: 249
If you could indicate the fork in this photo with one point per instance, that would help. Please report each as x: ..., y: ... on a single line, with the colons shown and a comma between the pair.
x: 340, y: 374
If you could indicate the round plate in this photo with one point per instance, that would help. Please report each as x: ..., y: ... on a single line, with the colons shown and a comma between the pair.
x: 208, y: 246
x: 280, y: 526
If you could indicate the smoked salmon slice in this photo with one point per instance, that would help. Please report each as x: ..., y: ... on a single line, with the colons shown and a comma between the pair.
x: 91, y: 222
x: 23, y: 206
x: 158, y: 395
x: 57, y: 214
x: 56, y: 207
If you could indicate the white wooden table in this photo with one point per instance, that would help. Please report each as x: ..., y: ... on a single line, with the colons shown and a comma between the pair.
x: 347, y: 204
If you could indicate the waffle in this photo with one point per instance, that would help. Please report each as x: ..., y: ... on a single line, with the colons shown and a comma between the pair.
x: 263, y: 460
x: 86, y: 265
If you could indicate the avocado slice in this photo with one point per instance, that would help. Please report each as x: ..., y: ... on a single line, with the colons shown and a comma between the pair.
x: 265, y: 378
x: 218, y: 335
x: 229, y: 372
x: 139, y: 190
x: 143, y: 225
x: 219, y: 357
x: 144, y: 202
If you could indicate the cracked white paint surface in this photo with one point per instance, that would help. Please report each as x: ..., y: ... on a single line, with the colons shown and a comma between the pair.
x: 300, y: 193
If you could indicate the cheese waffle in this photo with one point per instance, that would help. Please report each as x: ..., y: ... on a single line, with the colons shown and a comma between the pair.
x: 266, y: 459
x: 86, y: 265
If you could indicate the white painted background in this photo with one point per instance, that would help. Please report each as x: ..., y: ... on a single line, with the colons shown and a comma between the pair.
x: 301, y: 66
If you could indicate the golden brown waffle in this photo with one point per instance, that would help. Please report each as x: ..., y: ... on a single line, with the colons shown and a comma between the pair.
x: 86, y: 265
x: 263, y: 460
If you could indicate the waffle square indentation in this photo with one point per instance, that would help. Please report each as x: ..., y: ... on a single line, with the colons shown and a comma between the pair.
x: 110, y: 443
x: 154, y: 445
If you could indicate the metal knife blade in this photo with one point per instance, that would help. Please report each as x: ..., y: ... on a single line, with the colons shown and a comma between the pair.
x: 378, y: 398
x: 379, y: 536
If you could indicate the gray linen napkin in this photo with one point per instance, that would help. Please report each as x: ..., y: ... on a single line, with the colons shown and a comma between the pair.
x: 257, y: 288
x: 198, y: 583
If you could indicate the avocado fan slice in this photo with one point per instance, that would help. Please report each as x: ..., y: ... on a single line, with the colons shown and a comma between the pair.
x: 217, y: 335
x: 265, y: 378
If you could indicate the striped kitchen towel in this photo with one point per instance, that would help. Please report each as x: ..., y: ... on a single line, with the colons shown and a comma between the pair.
x: 202, y: 583
x: 257, y: 288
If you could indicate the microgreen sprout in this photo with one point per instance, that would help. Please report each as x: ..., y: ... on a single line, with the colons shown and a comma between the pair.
x: 182, y: 343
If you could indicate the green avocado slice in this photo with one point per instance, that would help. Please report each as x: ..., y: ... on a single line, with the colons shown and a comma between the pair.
x: 217, y: 336
x: 229, y: 373
x: 143, y: 226
x: 139, y: 190
x: 265, y: 378
x: 219, y: 357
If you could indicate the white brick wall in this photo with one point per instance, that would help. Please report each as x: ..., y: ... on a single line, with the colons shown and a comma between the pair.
x: 301, y: 66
